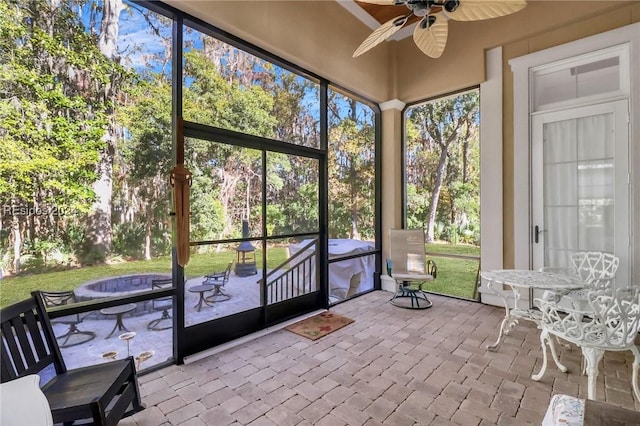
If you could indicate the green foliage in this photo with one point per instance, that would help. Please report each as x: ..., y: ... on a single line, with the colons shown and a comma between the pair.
x: 52, y: 122
x: 352, y: 171
x: 64, y: 106
x: 128, y: 240
x: 442, y: 168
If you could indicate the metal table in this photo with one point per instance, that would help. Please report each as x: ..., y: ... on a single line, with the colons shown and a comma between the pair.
x: 118, y: 311
x: 523, y: 279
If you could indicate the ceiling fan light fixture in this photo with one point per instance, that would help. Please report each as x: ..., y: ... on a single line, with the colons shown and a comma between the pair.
x: 451, y: 5
x: 427, y: 22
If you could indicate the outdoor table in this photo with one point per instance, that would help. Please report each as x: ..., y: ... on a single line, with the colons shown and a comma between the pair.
x: 201, y: 290
x: 118, y: 311
x: 522, y: 279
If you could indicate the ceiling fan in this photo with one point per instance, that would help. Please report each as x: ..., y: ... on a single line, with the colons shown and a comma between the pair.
x: 430, y: 34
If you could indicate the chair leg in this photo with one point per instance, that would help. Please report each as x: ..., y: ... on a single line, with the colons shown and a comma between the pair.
x: 593, y: 357
x: 634, y: 377
x: 74, y: 331
x: 544, y: 336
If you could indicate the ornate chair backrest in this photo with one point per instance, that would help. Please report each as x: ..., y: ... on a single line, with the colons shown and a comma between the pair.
x: 58, y: 298
x: 616, y: 317
x: 596, y: 268
x: 53, y: 299
x: 613, y: 323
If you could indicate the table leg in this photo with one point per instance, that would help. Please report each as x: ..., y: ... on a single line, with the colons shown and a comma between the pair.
x: 508, y: 322
x: 118, y: 326
x: 507, y: 325
x: 198, y: 306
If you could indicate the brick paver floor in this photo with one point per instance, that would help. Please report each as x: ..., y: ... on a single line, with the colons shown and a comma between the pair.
x: 392, y: 366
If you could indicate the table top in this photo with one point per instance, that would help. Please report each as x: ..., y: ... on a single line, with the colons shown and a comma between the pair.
x: 120, y: 309
x: 533, y: 279
x: 200, y: 288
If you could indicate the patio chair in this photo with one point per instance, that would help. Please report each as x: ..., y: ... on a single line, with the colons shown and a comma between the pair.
x: 217, y: 280
x: 53, y: 299
x: 100, y: 394
x: 162, y: 304
x: 595, y: 268
x: 409, y: 268
x: 612, y: 325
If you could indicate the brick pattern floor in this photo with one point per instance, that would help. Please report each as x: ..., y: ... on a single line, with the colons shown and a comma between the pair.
x: 392, y: 366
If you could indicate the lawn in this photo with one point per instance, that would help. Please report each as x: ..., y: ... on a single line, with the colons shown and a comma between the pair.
x: 13, y: 289
x: 455, y: 276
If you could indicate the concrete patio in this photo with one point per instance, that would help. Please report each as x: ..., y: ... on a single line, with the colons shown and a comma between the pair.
x: 244, y: 292
x: 391, y: 366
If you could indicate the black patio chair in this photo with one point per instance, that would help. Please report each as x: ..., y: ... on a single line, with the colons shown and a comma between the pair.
x: 217, y: 280
x: 53, y: 299
x: 162, y: 304
x: 98, y: 394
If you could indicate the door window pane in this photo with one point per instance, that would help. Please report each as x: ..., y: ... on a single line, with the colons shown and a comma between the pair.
x: 578, y: 189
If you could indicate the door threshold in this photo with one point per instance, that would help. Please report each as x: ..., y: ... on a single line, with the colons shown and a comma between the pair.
x: 249, y: 337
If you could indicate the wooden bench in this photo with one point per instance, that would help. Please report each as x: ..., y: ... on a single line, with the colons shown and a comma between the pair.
x: 101, y: 394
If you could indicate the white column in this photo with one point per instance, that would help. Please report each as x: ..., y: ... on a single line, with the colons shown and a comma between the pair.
x: 391, y: 178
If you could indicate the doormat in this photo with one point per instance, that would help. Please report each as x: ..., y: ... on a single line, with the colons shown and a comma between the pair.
x: 319, y: 325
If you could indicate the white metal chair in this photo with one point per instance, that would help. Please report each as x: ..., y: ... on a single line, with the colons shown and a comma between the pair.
x: 613, y: 325
x: 595, y: 268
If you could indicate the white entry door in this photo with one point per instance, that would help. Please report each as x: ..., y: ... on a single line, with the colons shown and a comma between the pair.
x: 580, y: 185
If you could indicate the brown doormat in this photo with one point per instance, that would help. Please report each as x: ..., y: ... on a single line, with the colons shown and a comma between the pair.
x: 319, y: 325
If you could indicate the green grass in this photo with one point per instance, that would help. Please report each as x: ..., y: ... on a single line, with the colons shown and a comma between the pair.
x: 14, y: 289
x: 456, y: 277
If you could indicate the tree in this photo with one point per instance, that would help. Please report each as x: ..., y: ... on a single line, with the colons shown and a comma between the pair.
x: 53, y: 117
x: 351, y: 168
x: 441, y: 126
x: 98, y: 234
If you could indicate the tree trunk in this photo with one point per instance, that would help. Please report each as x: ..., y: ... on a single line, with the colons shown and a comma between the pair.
x: 98, y: 233
x: 17, y: 244
x: 435, y: 194
x: 147, y: 240
x: 353, y: 179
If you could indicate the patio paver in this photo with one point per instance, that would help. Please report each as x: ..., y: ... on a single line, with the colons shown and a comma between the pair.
x: 395, y: 367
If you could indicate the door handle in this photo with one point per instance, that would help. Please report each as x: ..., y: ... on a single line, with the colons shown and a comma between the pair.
x: 536, y: 233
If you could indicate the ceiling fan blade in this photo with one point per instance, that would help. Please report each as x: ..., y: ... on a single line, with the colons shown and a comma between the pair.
x: 381, y: 33
x: 433, y: 39
x: 477, y: 10
x: 380, y: 2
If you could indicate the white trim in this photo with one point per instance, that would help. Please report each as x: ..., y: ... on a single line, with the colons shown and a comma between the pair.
x: 392, y: 104
x: 491, y: 222
x: 522, y: 106
x: 242, y: 340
